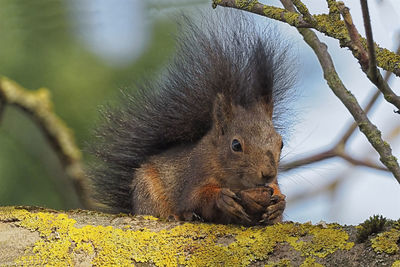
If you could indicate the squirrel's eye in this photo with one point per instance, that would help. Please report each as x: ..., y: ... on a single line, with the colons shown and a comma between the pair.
x: 236, y: 146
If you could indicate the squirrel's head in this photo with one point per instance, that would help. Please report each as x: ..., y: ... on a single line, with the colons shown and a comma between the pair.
x: 245, y: 142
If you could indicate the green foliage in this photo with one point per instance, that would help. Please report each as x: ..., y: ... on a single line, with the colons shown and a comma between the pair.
x: 375, y: 224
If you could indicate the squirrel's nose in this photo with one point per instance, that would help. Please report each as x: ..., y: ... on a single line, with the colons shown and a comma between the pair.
x: 268, y: 174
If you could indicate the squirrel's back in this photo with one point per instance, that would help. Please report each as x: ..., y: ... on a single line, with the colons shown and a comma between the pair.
x: 223, y: 54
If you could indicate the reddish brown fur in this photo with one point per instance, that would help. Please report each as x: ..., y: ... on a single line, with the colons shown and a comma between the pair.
x: 155, y: 187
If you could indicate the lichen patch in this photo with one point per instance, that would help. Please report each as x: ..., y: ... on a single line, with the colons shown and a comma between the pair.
x: 62, y: 243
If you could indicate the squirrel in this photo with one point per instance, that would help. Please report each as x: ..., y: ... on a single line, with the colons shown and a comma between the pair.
x: 204, y: 141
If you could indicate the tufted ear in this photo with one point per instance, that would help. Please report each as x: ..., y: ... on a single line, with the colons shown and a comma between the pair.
x: 268, y: 106
x: 222, y: 113
x: 263, y: 75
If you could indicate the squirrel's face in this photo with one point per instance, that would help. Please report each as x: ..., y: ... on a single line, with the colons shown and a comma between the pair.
x: 247, y: 146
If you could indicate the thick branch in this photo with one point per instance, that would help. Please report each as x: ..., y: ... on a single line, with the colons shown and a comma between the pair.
x: 329, y: 24
x: 37, y: 104
x: 33, y: 236
x: 255, y: 7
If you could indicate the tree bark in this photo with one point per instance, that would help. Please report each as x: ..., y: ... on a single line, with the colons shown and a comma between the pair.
x: 37, y: 236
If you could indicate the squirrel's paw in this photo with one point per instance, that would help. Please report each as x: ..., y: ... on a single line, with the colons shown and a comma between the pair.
x: 255, y: 200
x: 274, y: 210
x: 227, y: 202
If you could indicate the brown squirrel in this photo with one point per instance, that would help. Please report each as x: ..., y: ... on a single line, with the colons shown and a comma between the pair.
x: 203, y: 141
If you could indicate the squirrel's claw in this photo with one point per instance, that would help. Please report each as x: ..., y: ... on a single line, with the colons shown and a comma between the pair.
x: 226, y: 202
x: 274, y: 211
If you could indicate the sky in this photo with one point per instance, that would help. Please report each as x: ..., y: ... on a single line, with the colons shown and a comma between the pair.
x: 118, y: 32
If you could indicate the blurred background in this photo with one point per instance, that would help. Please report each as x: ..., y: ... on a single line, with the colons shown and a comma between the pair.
x: 85, y: 51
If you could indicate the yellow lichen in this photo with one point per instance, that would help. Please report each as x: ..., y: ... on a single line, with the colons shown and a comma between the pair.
x: 150, y: 218
x: 310, y: 262
x: 387, y: 242
x: 186, y: 244
x: 396, y: 264
x: 246, y: 4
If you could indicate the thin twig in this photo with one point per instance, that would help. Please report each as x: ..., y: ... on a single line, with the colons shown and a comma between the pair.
x: 355, y: 45
x: 37, y: 104
x: 372, y: 69
x: 328, y: 154
x: 367, y: 109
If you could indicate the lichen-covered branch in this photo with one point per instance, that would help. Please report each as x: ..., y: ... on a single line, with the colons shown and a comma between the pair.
x: 329, y: 24
x: 37, y: 104
x: 34, y: 236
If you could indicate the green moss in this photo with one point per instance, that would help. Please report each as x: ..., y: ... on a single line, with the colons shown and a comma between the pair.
x: 387, y: 242
x: 396, y: 224
x: 373, y: 225
x: 186, y: 244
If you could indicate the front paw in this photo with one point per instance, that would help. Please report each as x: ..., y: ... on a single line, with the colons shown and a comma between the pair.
x: 228, y: 203
x: 255, y: 200
x: 274, y: 210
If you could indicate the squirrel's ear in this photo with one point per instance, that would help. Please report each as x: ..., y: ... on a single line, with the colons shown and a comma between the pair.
x: 222, y: 113
x: 268, y: 105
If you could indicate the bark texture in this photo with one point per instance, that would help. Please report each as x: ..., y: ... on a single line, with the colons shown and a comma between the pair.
x: 36, y: 236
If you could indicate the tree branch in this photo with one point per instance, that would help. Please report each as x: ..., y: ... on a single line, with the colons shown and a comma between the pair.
x: 367, y: 60
x: 329, y: 24
x: 373, y: 70
x: 34, y: 236
x: 346, y: 97
x: 37, y: 104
